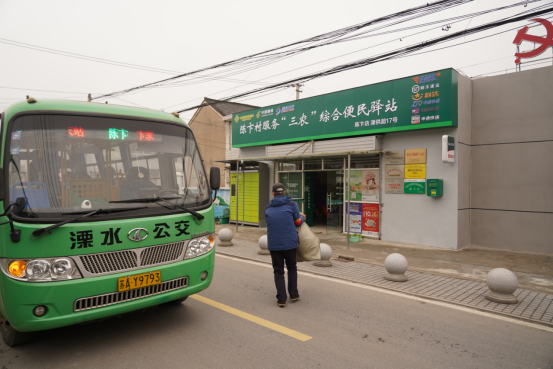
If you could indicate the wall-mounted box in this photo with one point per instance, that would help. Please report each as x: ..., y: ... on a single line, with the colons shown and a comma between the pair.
x: 434, y: 187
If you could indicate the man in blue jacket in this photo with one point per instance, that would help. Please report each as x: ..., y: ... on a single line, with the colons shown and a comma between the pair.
x: 283, y: 216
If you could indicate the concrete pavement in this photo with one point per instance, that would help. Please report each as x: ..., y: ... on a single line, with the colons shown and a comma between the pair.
x: 534, y: 271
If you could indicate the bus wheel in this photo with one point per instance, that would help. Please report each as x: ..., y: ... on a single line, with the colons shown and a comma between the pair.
x: 177, y: 302
x: 11, y: 336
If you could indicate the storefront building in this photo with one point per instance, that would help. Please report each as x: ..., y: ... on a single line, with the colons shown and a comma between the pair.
x: 393, y: 160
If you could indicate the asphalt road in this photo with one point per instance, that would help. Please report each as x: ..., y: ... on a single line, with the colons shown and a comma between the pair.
x: 350, y: 326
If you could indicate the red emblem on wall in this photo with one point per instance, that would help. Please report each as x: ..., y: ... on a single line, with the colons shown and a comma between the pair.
x: 545, y: 42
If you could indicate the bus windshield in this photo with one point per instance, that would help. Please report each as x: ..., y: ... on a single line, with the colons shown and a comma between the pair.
x: 65, y: 163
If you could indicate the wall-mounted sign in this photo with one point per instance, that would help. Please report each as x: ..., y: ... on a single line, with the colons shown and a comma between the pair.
x: 415, y: 186
x: 394, y: 186
x: 448, y: 149
x: 416, y: 156
x: 415, y: 171
x: 395, y: 157
x: 411, y: 103
x: 544, y: 42
x: 395, y: 171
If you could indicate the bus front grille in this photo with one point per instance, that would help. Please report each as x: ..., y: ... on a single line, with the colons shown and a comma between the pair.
x: 102, y: 263
x: 109, y: 261
x: 161, y: 254
x: 94, y: 302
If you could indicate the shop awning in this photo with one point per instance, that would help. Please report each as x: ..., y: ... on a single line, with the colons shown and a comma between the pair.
x: 326, y: 155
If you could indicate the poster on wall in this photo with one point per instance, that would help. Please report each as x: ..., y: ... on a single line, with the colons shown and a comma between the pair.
x: 365, y: 185
x: 355, y: 218
x: 355, y: 185
x: 371, y: 184
x: 370, y: 221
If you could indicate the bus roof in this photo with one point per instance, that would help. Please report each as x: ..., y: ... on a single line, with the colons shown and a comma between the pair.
x: 88, y: 107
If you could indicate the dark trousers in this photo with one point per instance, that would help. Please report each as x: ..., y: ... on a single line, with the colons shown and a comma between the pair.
x: 279, y: 258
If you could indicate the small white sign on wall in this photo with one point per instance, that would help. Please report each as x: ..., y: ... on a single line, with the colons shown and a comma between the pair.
x: 448, y: 149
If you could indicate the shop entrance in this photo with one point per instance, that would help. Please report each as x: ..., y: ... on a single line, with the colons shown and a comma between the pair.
x: 325, y: 202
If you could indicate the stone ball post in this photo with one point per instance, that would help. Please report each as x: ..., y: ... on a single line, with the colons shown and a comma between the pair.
x: 225, y: 237
x: 263, y: 245
x: 396, y: 265
x: 326, y: 254
x: 502, y: 284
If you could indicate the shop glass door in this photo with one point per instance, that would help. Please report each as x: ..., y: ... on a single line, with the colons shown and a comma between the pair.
x: 334, y: 202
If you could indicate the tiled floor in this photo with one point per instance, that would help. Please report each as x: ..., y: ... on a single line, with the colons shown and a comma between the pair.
x: 532, y: 306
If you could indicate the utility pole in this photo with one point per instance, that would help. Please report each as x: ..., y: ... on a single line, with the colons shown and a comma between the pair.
x: 89, y: 97
x: 297, y: 86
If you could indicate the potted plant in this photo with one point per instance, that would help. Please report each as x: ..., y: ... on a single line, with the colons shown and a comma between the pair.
x: 355, y: 237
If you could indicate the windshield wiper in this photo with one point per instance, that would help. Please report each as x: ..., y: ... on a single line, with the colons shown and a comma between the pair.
x: 157, y: 199
x: 38, y: 232
x: 147, y: 199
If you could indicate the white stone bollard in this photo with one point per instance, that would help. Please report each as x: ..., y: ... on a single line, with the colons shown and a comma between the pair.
x: 396, y: 265
x: 225, y: 237
x: 502, y: 284
x: 326, y: 254
x: 263, y: 245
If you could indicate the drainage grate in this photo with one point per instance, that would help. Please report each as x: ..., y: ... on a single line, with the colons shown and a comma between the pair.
x: 161, y: 254
x: 109, y: 261
x: 94, y: 302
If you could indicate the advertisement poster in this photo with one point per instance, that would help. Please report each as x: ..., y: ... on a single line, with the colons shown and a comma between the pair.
x: 356, y: 185
x: 221, y: 203
x: 371, y: 184
x: 355, y: 217
x: 370, y: 220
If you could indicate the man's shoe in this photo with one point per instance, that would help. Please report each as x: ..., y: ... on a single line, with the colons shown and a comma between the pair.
x: 281, y: 303
x: 295, y: 297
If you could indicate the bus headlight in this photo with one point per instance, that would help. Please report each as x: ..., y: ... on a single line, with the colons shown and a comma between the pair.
x: 40, y: 270
x: 61, y: 267
x: 37, y: 269
x: 199, y: 246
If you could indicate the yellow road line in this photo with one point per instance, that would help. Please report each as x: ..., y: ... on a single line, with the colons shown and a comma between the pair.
x: 253, y: 318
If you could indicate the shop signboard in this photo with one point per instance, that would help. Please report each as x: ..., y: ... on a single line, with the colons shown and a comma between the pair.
x: 423, y: 101
x: 395, y: 171
x: 415, y: 186
x: 416, y: 156
x: 394, y: 186
x: 415, y: 171
x: 395, y: 157
x: 365, y: 184
x: 355, y: 218
x: 370, y: 222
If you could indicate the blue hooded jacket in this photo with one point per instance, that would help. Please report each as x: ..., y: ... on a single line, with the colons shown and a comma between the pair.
x: 282, y: 216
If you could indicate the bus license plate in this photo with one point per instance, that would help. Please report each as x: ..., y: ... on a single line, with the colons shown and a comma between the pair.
x: 138, y: 280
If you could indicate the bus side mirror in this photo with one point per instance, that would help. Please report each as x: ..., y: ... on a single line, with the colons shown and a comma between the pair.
x: 215, y: 178
x: 19, y: 205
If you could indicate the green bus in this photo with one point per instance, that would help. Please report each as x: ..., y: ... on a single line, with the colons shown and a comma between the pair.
x: 106, y: 209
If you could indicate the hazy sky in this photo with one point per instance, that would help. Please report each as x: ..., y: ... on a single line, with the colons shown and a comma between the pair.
x: 182, y: 36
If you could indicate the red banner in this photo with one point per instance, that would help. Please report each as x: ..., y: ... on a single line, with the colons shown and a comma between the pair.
x: 370, y: 219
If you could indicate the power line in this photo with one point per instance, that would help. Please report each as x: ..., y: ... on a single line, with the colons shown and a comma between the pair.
x: 323, y: 39
x: 373, y: 46
x: 402, y: 52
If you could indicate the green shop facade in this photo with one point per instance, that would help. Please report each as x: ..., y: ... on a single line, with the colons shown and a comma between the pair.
x: 361, y: 157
